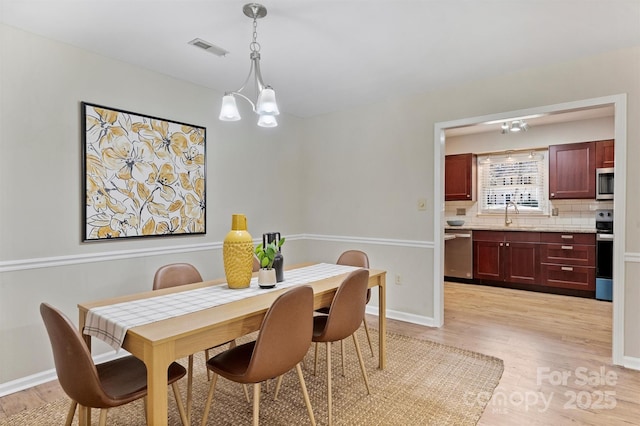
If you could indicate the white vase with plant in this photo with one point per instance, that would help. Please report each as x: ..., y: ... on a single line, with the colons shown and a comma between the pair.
x: 266, y: 254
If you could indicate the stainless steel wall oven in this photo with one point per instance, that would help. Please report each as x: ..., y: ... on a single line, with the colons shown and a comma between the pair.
x: 604, y: 254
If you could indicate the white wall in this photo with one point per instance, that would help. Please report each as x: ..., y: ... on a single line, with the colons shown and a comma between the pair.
x: 250, y: 170
x: 348, y: 179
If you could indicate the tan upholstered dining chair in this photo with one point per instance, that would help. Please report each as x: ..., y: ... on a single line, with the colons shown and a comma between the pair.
x: 358, y: 259
x: 283, y: 340
x: 110, y: 384
x: 345, y: 316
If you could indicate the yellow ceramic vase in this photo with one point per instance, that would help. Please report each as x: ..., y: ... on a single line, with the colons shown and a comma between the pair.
x: 237, y: 253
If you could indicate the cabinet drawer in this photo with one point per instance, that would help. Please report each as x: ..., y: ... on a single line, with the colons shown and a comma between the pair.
x: 569, y: 254
x: 567, y: 237
x: 565, y: 276
x: 522, y: 237
x: 488, y: 236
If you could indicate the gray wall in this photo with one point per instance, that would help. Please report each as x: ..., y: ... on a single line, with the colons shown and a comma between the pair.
x: 348, y: 179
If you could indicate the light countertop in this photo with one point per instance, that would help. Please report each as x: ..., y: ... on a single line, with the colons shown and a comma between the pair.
x: 527, y: 228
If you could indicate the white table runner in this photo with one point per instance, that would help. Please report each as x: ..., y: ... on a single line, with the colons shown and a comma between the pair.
x: 110, y: 323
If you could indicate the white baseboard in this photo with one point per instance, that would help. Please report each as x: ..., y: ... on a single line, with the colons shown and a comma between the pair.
x: 631, y: 362
x: 403, y: 316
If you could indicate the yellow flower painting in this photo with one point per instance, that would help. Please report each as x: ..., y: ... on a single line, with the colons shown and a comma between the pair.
x: 144, y: 176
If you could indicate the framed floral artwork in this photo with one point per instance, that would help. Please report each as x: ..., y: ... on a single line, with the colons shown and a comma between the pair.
x: 143, y: 176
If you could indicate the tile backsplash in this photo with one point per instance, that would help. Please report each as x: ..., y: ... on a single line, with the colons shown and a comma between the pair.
x: 570, y: 213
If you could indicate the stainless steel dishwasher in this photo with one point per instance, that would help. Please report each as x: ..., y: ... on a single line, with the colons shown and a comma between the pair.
x: 458, y: 253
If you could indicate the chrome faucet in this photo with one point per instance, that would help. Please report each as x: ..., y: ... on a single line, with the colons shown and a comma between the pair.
x: 508, y: 221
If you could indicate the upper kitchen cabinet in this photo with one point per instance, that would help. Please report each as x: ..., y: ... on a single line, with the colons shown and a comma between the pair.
x: 460, y: 177
x: 605, y: 151
x: 572, y: 171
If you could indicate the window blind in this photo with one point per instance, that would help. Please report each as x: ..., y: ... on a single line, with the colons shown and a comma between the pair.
x: 517, y: 177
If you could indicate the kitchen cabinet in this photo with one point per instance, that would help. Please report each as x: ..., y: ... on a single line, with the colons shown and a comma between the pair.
x: 460, y: 177
x: 568, y: 260
x: 605, y: 153
x: 506, y: 256
x: 572, y: 171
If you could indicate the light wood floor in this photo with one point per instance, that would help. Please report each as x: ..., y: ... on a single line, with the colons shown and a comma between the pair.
x: 540, y: 337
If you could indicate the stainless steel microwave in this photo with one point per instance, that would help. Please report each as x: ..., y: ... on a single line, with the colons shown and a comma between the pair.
x: 604, y: 183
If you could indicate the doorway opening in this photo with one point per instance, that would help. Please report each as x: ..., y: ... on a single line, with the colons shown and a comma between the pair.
x: 618, y: 102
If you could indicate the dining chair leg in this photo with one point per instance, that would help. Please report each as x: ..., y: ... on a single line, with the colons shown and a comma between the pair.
x: 71, y: 413
x: 329, y: 402
x: 366, y: 330
x: 206, y: 358
x: 144, y: 408
x: 103, y: 417
x: 207, y: 405
x: 84, y: 415
x: 184, y: 417
x: 246, y: 393
x: 189, y: 388
x: 256, y: 404
x: 305, y: 394
x: 278, y: 383
x: 364, y: 372
x: 315, y: 360
x: 344, y: 374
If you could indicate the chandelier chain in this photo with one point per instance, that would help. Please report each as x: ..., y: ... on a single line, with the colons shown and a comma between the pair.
x: 254, y: 45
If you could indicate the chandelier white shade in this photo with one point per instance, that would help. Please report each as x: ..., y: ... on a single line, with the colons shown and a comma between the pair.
x: 229, y: 110
x: 265, y: 105
x: 267, y: 102
x: 267, y: 121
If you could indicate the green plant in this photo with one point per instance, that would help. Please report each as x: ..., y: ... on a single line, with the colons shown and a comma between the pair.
x: 266, y: 255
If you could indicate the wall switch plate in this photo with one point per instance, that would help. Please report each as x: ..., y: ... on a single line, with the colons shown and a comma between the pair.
x: 461, y: 212
x: 555, y: 211
x: 398, y: 279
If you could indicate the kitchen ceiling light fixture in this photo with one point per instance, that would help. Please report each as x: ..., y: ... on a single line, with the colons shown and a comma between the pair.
x: 265, y: 105
x: 516, y: 126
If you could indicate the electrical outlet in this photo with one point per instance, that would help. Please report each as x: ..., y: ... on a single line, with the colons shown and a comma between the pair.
x: 398, y: 279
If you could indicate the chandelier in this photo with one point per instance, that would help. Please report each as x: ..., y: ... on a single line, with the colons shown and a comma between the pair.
x: 265, y: 104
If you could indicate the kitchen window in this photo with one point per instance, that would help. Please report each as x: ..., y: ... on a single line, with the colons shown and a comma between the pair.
x: 520, y: 177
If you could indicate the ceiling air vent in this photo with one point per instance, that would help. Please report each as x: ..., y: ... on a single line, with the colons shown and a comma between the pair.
x: 211, y: 48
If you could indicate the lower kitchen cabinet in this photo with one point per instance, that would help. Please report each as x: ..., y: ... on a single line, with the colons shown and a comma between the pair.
x: 568, y: 260
x: 511, y: 257
x: 542, y: 261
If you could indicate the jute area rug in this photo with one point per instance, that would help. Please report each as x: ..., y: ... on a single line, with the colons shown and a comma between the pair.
x: 425, y: 383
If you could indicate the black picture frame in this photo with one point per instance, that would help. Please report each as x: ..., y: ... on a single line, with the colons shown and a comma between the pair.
x: 143, y: 176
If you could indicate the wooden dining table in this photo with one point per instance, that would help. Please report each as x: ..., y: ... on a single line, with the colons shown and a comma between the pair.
x: 159, y: 343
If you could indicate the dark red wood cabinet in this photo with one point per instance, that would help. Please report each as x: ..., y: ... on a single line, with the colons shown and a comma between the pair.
x: 460, y: 177
x: 572, y: 169
x: 510, y: 257
x: 568, y: 260
x: 605, y: 154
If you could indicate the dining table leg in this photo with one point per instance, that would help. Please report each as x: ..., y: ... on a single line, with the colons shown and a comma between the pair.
x: 382, y: 322
x: 157, y: 359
